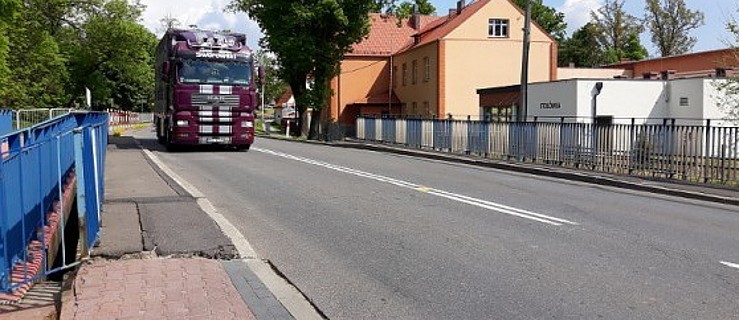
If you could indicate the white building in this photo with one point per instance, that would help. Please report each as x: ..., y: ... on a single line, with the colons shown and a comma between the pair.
x: 688, y: 101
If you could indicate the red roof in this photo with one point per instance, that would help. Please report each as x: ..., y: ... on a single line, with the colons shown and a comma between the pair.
x: 387, y: 36
x: 284, y: 97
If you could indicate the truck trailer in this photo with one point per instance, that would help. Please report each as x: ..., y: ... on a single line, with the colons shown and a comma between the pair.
x: 205, y: 89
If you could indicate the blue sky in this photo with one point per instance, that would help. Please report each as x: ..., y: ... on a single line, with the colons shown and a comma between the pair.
x: 209, y: 14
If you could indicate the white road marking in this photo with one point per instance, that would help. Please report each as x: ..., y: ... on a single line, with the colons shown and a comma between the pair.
x: 431, y: 191
x: 730, y: 265
x: 288, y: 295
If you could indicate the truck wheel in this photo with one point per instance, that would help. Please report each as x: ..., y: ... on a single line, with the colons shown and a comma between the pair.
x: 243, y: 147
x: 171, y: 147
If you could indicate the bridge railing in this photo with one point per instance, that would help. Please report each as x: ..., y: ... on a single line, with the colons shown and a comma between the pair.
x: 705, y: 152
x: 44, y: 170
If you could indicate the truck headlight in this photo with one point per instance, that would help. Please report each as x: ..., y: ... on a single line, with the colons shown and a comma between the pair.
x: 247, y: 124
x: 183, y: 123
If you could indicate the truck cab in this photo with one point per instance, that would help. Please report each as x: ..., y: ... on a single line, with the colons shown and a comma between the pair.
x: 206, y: 91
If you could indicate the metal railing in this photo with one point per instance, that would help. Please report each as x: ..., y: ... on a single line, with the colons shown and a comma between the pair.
x: 42, y: 168
x: 25, y: 118
x: 700, y: 153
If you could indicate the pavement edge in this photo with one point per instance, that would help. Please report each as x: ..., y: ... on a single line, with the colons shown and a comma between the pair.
x: 288, y: 295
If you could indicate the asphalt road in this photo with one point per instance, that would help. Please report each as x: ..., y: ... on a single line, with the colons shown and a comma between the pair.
x: 368, y: 235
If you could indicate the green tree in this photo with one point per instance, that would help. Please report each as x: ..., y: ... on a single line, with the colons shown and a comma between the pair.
x: 618, y: 32
x: 670, y: 23
x: 274, y: 85
x: 36, y: 72
x: 309, y: 38
x: 551, y: 20
x: 8, y: 11
x: 112, y: 54
x: 406, y: 8
x: 583, y: 49
x: 728, y: 90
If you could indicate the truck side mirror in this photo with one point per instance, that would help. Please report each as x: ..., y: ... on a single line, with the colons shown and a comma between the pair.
x: 165, y: 71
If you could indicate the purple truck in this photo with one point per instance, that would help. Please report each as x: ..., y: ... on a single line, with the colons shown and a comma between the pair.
x: 205, y: 89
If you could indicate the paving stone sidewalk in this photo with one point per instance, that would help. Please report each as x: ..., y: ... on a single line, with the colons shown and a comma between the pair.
x: 155, y: 289
x: 148, y: 263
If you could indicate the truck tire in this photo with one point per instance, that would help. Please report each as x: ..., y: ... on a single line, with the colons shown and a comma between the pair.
x: 243, y: 147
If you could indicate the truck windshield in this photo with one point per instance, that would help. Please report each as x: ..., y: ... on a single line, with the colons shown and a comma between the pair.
x: 215, y: 72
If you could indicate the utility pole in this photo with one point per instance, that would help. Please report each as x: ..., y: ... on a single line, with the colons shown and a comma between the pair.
x: 523, y: 108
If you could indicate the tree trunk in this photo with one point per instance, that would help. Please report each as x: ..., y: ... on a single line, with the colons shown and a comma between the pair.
x: 315, y: 121
x: 297, y: 86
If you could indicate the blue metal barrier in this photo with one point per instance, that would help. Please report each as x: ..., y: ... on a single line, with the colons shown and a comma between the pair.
x: 37, y: 167
x: 388, y: 130
x: 6, y: 121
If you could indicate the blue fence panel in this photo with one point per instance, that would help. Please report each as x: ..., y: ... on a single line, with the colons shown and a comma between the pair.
x: 388, y: 130
x: 442, y: 134
x: 370, y: 127
x: 414, y: 132
x: 6, y: 121
x: 35, y: 165
x: 478, y: 136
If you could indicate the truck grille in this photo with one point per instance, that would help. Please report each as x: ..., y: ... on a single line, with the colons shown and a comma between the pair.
x: 215, y: 100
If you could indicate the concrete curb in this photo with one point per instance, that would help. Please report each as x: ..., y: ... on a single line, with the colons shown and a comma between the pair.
x: 573, y: 176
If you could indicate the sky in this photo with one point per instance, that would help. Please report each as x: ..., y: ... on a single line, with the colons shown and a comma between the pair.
x: 209, y: 14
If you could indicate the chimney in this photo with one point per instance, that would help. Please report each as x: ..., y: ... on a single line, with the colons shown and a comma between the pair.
x: 416, y: 19
x: 668, y: 74
x: 460, y: 6
x: 452, y: 12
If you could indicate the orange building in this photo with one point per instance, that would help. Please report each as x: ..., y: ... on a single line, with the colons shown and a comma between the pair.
x: 429, y: 66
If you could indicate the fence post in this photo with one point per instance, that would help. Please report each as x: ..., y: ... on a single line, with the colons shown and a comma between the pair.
x: 707, y: 151
x: 79, y: 166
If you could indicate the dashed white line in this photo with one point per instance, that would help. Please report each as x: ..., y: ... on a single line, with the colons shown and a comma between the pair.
x: 730, y: 265
x: 431, y: 191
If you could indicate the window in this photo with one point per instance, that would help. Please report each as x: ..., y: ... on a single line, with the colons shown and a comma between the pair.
x: 395, y: 76
x: 498, y: 28
x: 414, y: 72
x: 684, y: 102
x: 405, y: 74
x: 427, y: 107
x: 426, y: 69
x: 415, y: 108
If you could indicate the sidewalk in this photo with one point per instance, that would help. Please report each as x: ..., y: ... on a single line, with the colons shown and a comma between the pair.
x: 160, y: 256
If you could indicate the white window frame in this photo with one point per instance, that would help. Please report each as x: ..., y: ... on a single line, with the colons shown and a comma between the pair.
x: 502, y: 26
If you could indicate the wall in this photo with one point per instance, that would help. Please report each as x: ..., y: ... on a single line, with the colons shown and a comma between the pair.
x: 474, y: 61
x: 423, y: 90
x: 587, y: 73
x: 693, y: 90
x: 623, y: 99
x: 686, y: 63
x: 360, y: 77
x: 562, y: 92
x: 713, y: 108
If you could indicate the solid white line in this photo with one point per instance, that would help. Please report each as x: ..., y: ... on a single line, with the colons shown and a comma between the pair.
x: 730, y: 265
x: 439, y: 193
x: 289, y: 296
